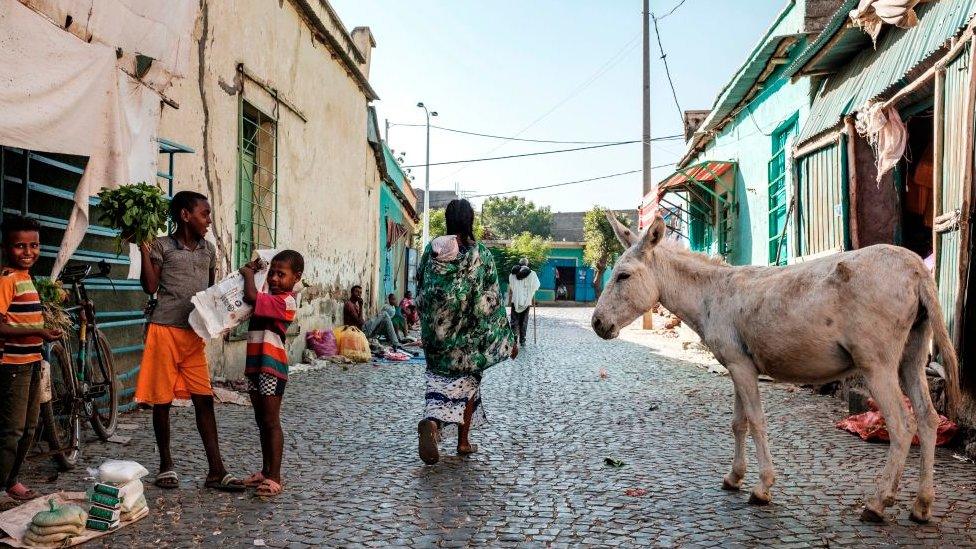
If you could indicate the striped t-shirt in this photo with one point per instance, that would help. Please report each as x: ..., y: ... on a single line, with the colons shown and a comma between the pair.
x: 20, y: 307
x: 266, y: 334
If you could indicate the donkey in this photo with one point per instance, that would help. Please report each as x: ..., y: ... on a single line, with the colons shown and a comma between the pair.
x: 871, y: 311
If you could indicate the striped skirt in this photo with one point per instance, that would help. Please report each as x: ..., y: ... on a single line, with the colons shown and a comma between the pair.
x: 446, y: 398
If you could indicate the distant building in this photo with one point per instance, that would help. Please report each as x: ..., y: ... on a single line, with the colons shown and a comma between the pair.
x: 438, y: 199
x: 564, y: 275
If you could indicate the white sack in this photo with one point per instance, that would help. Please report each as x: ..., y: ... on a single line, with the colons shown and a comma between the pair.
x: 887, y: 134
x: 870, y: 15
x: 221, y: 308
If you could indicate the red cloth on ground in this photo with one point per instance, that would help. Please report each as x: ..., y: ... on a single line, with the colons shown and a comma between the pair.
x: 870, y: 426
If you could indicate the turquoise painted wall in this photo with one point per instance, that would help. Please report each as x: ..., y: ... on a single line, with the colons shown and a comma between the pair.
x: 747, y: 139
x: 391, y: 274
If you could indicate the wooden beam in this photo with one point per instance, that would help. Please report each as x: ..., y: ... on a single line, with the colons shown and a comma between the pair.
x: 967, y: 195
x: 852, y: 182
x: 825, y: 140
x: 938, y: 125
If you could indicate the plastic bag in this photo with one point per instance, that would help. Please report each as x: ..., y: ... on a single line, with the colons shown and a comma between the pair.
x: 221, y: 308
x: 353, y: 344
x: 120, y: 472
x: 45, y: 381
x: 322, y: 343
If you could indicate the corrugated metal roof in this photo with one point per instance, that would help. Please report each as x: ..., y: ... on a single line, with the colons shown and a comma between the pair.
x: 875, y: 72
x: 710, y: 170
x: 839, y: 50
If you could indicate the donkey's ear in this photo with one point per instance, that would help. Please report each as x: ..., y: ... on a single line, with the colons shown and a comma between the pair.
x: 653, y: 235
x: 624, y: 235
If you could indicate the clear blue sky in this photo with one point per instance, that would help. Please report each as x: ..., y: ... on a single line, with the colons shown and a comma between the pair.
x: 498, y: 67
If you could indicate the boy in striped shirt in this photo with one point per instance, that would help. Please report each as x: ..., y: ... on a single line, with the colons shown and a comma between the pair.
x: 23, y: 334
x: 266, y: 368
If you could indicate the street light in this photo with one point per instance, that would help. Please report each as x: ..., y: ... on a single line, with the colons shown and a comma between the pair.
x: 425, y: 237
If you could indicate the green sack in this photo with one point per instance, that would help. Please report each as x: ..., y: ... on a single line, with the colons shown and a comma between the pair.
x: 59, y: 515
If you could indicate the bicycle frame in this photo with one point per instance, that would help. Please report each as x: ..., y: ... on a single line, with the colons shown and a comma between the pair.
x: 84, y: 313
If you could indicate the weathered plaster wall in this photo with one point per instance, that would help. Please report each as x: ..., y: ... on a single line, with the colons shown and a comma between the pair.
x: 327, y: 191
x: 747, y: 140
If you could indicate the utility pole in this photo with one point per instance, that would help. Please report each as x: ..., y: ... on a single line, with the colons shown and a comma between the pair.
x: 425, y: 235
x: 648, y: 319
x: 386, y: 133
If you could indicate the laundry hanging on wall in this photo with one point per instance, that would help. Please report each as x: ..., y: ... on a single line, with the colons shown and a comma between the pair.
x: 395, y: 232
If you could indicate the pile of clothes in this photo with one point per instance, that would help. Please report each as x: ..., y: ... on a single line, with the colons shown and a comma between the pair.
x: 56, y: 525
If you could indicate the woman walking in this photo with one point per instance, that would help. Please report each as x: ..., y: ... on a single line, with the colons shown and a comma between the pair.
x: 464, y: 329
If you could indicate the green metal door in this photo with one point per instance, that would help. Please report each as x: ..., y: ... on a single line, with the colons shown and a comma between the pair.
x: 954, y: 163
x: 778, y: 200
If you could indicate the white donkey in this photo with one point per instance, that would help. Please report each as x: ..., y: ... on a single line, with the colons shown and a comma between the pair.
x: 871, y: 311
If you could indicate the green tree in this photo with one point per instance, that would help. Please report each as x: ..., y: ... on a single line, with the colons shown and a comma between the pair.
x: 507, y: 217
x: 532, y: 247
x: 601, y: 244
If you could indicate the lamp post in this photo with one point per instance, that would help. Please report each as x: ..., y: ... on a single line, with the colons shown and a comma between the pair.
x: 425, y: 238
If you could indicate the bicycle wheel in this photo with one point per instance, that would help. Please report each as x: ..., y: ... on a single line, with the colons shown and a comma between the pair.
x: 59, y: 417
x: 103, y: 412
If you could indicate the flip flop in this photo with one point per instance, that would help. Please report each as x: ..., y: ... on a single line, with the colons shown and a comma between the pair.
x: 269, y: 489
x: 229, y: 483
x: 19, y: 492
x: 167, y: 480
x: 427, y: 446
x: 254, y: 480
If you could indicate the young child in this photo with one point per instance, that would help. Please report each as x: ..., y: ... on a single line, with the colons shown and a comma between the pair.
x: 22, y: 331
x: 266, y: 368
x: 174, y: 365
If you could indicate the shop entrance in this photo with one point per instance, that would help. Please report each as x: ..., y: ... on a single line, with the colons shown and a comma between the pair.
x: 915, y: 190
x: 565, y: 283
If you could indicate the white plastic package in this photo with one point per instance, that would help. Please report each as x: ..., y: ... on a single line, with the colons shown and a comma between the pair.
x: 120, y: 472
x: 221, y: 308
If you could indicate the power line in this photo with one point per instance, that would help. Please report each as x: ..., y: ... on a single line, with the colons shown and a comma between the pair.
x: 555, y: 184
x: 674, y: 9
x: 470, y: 160
x: 603, y: 69
x: 664, y: 58
x: 518, y: 138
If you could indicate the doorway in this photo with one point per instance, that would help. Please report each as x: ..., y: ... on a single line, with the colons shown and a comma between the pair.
x: 915, y: 189
x: 565, y: 283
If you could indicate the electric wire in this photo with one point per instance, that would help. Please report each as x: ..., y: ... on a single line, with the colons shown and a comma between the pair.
x: 471, y: 160
x: 527, y: 189
x: 526, y: 140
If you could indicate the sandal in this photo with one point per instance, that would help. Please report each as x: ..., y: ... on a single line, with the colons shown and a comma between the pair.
x: 229, y: 483
x: 269, y: 488
x: 427, y: 446
x: 167, y: 480
x: 20, y: 492
x: 254, y: 480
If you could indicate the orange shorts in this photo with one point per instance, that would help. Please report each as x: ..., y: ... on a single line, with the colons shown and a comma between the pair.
x: 174, y: 365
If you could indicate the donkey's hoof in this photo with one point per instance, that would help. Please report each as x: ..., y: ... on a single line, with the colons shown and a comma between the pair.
x: 730, y: 486
x: 755, y: 498
x: 920, y: 519
x: 869, y: 515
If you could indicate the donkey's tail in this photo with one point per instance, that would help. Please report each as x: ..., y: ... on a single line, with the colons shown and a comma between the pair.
x: 940, y: 335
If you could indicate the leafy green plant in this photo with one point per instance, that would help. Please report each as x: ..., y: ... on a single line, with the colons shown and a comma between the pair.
x: 138, y: 211
x: 53, y: 296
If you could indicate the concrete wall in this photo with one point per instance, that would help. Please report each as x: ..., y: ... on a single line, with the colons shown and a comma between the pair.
x: 747, y: 140
x: 327, y: 188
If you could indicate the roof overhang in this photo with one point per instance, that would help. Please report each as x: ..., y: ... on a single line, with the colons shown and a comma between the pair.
x: 750, y: 80
x: 835, y: 45
x: 709, y: 182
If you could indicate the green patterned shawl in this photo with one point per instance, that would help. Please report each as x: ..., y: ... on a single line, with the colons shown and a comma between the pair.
x: 462, y: 319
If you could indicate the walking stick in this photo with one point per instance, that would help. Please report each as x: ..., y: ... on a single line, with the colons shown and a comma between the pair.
x: 535, y: 326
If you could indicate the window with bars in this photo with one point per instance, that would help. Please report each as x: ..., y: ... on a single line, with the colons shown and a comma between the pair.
x: 778, y: 202
x: 257, y: 193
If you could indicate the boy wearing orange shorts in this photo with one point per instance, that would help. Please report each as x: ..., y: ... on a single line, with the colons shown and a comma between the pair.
x: 174, y: 365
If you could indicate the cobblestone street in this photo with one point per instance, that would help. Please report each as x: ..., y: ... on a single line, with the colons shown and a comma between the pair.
x: 352, y: 475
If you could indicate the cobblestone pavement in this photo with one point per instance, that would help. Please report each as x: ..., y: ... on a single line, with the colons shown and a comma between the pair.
x: 353, y: 477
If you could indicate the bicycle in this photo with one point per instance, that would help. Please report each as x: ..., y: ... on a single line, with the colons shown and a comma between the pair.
x: 83, y: 384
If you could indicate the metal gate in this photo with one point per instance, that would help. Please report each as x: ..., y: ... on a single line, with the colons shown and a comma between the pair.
x: 51, y: 180
x: 954, y: 85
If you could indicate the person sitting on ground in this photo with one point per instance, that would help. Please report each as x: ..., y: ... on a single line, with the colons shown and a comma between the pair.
x: 174, y: 363
x: 381, y: 324
x: 399, y: 323
x: 22, y: 329
x: 266, y: 367
x: 409, y: 309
